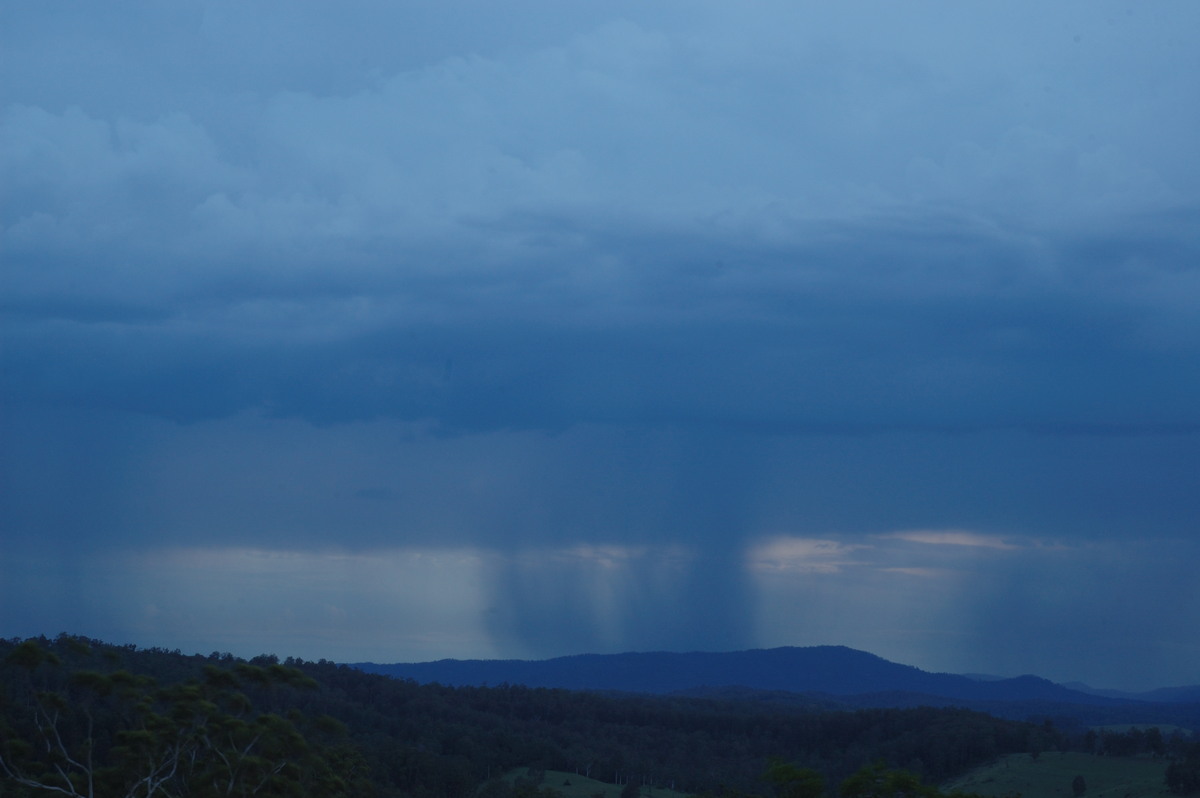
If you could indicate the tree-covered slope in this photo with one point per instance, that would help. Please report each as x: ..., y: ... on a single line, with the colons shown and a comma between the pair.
x: 319, y: 728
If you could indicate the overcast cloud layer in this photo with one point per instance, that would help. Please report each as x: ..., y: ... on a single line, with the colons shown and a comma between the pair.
x: 402, y: 331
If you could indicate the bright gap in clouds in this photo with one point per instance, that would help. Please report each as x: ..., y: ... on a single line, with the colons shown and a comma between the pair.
x: 931, y: 606
x: 951, y: 537
x: 962, y: 601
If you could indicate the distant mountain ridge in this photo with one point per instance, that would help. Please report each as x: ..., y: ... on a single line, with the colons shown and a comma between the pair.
x: 828, y: 670
x: 1164, y: 695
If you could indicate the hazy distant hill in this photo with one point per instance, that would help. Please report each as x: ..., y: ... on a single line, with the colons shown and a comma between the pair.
x: 1165, y: 695
x: 821, y: 677
x: 1172, y: 695
x: 831, y: 670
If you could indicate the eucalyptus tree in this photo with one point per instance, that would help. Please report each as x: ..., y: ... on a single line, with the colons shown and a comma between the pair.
x: 86, y: 733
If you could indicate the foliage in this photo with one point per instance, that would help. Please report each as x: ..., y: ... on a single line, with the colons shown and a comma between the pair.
x: 877, y: 781
x: 791, y: 781
x: 1183, y: 774
x: 111, y: 732
x: 137, y: 712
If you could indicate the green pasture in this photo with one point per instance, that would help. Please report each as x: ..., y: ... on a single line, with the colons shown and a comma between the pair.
x: 573, y: 785
x: 1051, y: 774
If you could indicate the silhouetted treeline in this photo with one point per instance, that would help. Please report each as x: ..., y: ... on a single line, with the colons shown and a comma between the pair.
x: 362, y: 734
x: 1183, y: 773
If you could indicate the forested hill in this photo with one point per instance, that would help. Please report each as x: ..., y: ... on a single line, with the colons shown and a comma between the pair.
x: 115, y: 715
x: 832, y: 677
x: 831, y: 670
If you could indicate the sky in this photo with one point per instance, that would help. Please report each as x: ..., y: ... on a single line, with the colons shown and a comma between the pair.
x: 404, y: 331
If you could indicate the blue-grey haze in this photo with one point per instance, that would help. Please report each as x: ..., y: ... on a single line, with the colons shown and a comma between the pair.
x: 396, y: 331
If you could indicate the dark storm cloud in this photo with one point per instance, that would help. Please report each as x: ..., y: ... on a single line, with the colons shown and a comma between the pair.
x: 876, y: 325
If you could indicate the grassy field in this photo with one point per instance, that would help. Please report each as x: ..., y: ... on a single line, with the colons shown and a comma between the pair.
x: 572, y: 785
x: 1050, y: 776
